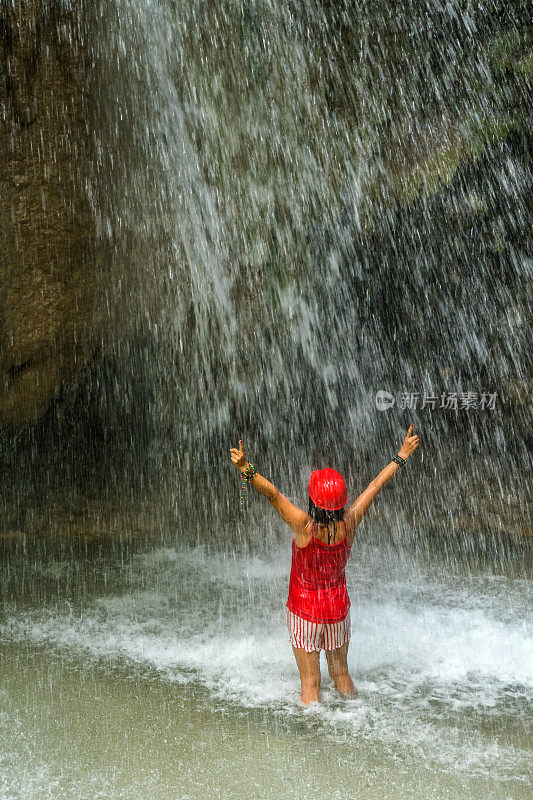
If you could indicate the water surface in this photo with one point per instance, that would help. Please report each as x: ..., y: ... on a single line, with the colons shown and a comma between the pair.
x: 169, y: 674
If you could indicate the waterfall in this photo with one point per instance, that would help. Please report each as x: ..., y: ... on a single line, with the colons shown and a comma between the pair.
x: 303, y: 224
x: 297, y: 206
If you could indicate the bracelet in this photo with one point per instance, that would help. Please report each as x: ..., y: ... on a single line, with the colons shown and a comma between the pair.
x: 249, y: 473
x: 247, y: 476
x: 399, y: 460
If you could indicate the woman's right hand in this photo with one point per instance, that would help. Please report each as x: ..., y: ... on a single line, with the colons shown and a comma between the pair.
x: 410, y: 443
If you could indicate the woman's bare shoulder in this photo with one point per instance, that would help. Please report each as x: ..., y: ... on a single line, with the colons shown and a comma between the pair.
x: 303, y: 535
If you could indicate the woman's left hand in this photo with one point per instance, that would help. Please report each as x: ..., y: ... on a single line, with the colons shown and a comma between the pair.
x: 238, y: 457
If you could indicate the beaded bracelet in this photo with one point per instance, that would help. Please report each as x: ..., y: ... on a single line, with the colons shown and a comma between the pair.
x: 249, y: 473
x: 247, y: 476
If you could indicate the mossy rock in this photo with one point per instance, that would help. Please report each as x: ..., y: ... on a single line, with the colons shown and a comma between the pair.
x: 439, y: 167
x: 509, y: 51
x: 525, y: 66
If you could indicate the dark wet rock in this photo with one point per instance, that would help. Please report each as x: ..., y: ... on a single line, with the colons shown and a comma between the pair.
x: 47, y: 264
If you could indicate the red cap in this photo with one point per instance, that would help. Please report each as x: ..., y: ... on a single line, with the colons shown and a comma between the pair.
x: 327, y: 489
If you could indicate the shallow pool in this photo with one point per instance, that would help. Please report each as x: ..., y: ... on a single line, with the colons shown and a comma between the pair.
x: 169, y: 675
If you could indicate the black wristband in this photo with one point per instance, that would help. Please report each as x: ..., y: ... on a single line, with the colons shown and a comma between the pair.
x: 399, y: 460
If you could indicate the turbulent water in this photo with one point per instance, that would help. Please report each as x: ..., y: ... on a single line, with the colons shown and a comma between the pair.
x: 188, y: 644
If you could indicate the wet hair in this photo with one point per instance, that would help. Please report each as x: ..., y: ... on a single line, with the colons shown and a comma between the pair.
x: 322, y: 516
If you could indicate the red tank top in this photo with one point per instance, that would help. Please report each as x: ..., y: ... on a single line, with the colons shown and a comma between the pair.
x: 317, y: 585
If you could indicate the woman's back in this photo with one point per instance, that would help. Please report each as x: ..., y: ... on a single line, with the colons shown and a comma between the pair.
x: 317, y: 584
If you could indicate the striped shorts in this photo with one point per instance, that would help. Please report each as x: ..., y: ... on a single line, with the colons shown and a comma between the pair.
x: 311, y: 636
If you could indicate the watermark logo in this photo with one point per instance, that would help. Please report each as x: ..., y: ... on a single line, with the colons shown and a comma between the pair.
x: 454, y: 401
x: 384, y: 400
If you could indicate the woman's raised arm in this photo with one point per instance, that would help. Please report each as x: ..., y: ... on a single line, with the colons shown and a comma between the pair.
x: 357, y: 510
x: 291, y: 514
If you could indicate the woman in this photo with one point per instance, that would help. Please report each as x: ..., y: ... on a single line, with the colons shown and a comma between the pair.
x: 318, y: 607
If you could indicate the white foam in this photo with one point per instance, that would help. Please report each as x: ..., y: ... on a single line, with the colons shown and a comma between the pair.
x: 219, y: 620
